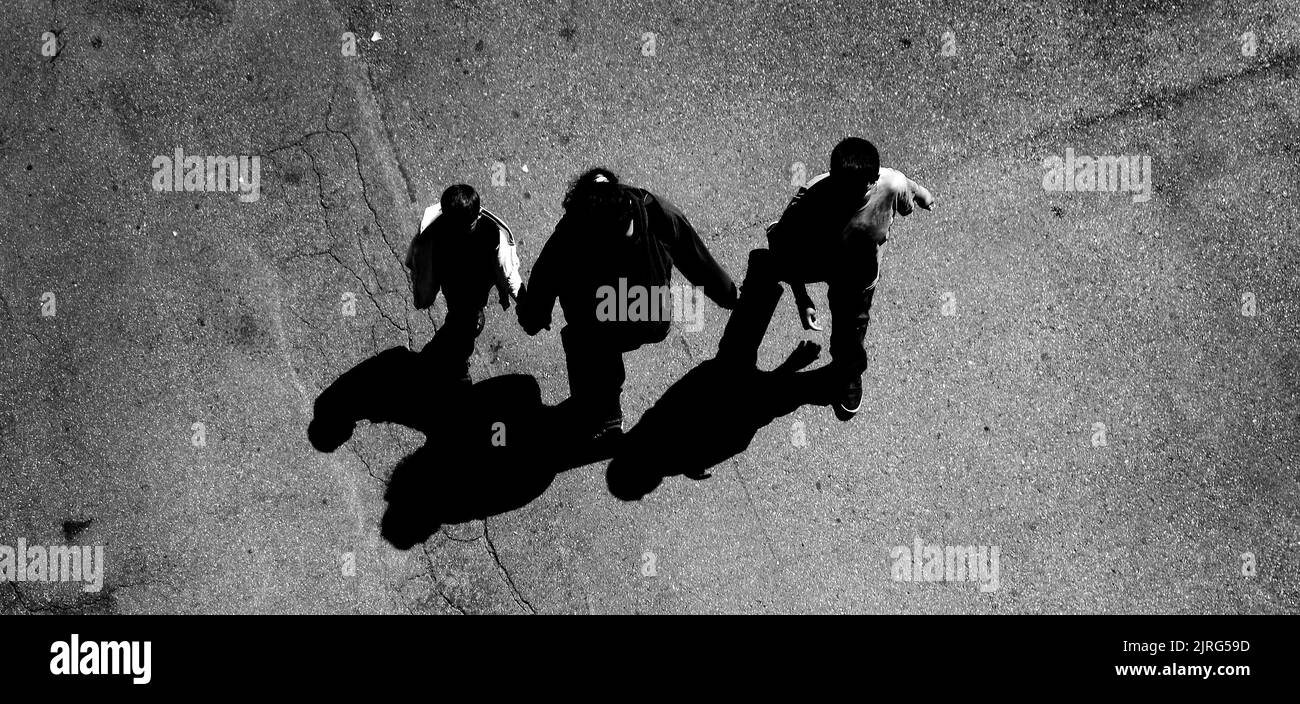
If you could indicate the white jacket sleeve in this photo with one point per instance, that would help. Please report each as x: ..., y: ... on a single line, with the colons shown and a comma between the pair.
x: 905, y: 192
x: 509, y: 281
x: 431, y: 213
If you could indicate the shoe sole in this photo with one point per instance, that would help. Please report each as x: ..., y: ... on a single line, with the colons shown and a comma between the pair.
x: 843, y: 413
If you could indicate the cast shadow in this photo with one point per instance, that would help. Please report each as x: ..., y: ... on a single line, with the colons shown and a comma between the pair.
x: 709, y: 416
x: 492, y: 446
x: 714, y: 412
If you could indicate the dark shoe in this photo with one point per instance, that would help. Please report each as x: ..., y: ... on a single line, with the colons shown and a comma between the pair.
x: 848, y: 406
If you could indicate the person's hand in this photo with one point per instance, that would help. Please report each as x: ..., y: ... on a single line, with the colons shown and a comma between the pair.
x: 808, y: 316
x: 804, y: 354
x: 505, y: 302
x: 732, y: 299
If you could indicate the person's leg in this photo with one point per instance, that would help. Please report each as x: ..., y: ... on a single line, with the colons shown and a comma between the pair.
x: 850, y: 304
x: 759, y: 296
x: 453, y: 344
x: 596, y: 376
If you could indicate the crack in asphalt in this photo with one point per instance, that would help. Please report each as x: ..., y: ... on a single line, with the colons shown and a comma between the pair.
x: 32, y: 335
x: 453, y: 538
x: 86, y: 601
x: 496, y: 557
x: 437, y: 584
x: 329, y: 130
x: 320, y: 187
x: 374, y: 300
x: 351, y: 445
x: 365, y: 185
x: 686, y: 345
x: 406, y: 304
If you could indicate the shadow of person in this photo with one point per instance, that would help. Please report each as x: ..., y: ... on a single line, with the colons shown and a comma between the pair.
x: 715, y: 410
x: 491, y: 447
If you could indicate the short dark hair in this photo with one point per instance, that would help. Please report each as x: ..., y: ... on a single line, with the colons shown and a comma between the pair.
x: 855, y: 160
x: 596, y: 197
x: 460, y: 202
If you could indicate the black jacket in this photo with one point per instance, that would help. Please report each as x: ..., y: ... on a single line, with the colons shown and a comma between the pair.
x: 579, y: 259
x: 832, y: 232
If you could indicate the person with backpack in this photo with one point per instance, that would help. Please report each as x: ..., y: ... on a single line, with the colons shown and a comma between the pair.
x: 614, y: 238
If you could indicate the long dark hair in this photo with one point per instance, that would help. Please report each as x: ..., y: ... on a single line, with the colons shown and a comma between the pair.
x: 596, y: 199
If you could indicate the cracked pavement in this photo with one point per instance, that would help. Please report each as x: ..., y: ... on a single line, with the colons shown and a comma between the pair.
x: 1072, y: 309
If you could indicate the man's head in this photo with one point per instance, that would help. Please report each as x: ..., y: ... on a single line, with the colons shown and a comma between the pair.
x: 460, y: 204
x: 596, y: 198
x: 855, y: 161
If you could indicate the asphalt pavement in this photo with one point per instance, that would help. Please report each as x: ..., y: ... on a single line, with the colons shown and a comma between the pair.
x: 1102, y: 386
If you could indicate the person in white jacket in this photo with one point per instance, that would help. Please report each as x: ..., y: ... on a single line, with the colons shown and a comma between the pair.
x: 463, y: 250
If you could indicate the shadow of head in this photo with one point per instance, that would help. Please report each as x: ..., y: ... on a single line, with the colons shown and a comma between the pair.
x: 491, y: 447
x: 709, y: 416
x: 393, y: 386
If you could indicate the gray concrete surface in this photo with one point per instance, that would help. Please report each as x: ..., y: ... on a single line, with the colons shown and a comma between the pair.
x: 1071, y: 309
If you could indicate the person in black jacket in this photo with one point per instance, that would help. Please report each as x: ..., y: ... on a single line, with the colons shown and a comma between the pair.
x: 834, y: 231
x: 614, y: 238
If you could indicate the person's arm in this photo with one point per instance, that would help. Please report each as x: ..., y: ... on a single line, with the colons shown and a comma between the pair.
x: 920, y: 194
x: 534, y: 309
x: 693, y: 258
x: 424, y: 279
x: 801, y: 297
x: 907, y: 194
x: 509, y: 282
x: 893, y: 194
x: 803, y: 302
